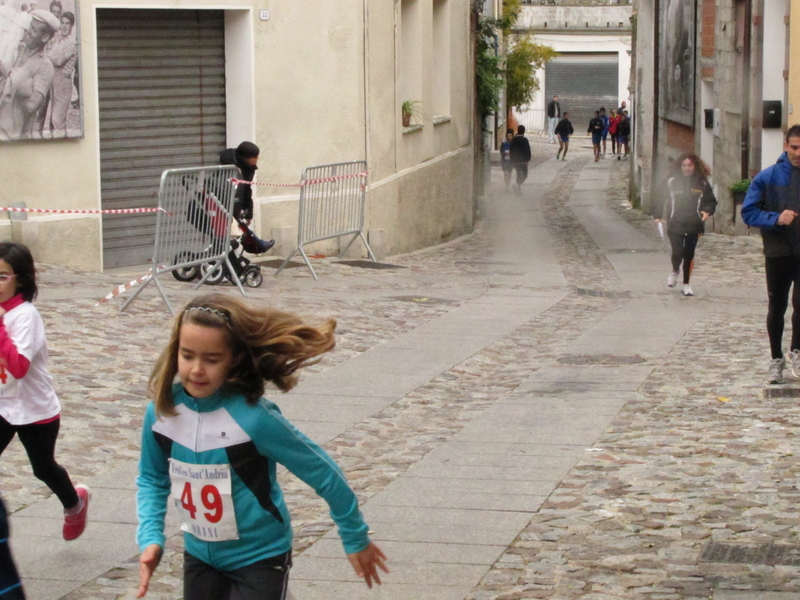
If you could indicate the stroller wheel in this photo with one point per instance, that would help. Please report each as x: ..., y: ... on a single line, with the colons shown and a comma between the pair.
x: 253, y: 277
x: 217, y: 273
x: 184, y: 273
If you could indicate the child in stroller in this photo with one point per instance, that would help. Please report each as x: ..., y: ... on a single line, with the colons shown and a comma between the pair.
x: 207, y: 215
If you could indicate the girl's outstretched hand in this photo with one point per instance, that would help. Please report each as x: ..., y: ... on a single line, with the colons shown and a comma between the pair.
x: 364, y: 563
x: 148, y: 562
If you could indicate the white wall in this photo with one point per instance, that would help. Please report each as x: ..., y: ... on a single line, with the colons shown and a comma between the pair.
x: 774, y: 85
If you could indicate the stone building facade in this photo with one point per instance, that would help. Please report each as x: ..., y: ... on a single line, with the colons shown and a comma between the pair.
x: 310, y: 83
x: 738, y: 86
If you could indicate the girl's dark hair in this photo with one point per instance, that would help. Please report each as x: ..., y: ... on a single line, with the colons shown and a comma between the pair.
x: 267, y: 344
x: 700, y: 168
x: 69, y: 17
x: 20, y: 260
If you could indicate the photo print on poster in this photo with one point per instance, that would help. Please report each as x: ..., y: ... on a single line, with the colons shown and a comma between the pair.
x: 40, y: 95
x: 677, y: 60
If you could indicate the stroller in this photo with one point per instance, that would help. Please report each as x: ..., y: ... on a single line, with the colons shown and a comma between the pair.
x: 205, y: 214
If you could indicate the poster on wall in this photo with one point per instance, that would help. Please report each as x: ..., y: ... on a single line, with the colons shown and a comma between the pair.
x: 677, y: 60
x: 39, y: 65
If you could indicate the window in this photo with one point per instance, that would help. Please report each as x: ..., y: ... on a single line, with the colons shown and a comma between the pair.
x: 410, y: 61
x: 441, y: 58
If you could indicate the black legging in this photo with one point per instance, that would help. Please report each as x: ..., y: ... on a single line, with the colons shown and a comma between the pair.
x: 683, y: 246
x: 782, y: 272
x: 40, y: 444
x: 10, y: 587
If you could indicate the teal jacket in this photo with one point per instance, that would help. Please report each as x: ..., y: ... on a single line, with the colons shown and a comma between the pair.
x: 252, y: 439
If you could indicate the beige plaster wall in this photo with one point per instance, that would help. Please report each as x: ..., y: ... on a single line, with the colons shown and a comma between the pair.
x: 322, y: 90
x: 68, y: 241
x: 794, y: 63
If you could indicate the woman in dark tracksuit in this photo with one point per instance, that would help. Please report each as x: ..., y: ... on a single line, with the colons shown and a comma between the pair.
x: 686, y: 201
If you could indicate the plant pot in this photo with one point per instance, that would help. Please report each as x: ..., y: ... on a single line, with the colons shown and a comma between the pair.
x: 406, y: 119
x: 738, y: 197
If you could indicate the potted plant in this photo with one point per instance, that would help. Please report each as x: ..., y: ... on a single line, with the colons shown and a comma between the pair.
x: 739, y: 189
x: 410, y: 108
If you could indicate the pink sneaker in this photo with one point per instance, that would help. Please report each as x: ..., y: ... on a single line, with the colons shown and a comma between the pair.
x: 75, y: 524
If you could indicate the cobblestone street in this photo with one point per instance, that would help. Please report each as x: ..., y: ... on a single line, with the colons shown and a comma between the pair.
x: 680, y: 466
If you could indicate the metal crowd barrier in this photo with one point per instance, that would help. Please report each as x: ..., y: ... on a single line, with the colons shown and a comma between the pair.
x: 194, y: 224
x: 332, y: 201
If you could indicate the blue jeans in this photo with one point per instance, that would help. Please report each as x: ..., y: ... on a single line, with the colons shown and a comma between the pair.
x: 551, y: 128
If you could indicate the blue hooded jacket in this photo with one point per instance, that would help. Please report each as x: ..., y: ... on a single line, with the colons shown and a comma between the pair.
x: 771, y: 192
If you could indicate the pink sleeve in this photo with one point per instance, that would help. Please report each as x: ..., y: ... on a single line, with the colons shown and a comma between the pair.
x: 15, y: 363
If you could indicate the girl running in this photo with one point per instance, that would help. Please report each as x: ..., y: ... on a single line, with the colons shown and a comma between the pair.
x: 686, y: 202
x: 212, y: 443
x: 29, y: 407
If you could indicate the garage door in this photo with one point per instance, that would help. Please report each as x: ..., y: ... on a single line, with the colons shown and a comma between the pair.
x: 161, y: 79
x: 583, y: 82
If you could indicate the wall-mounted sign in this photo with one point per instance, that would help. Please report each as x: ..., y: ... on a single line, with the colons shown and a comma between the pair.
x: 39, y: 65
x: 263, y: 15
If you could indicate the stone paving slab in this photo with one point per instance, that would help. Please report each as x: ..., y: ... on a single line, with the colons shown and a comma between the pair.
x: 467, y: 554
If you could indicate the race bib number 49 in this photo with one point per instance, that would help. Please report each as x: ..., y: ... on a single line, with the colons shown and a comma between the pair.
x: 202, y: 494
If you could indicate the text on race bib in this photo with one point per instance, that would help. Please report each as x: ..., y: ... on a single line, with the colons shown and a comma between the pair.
x: 202, y: 495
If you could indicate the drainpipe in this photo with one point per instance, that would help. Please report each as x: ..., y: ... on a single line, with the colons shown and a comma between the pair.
x: 745, y: 150
x: 656, y: 94
x: 367, y: 145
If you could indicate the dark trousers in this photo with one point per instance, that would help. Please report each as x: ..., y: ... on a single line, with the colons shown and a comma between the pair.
x: 10, y: 587
x: 782, y: 272
x: 266, y: 579
x: 683, y: 247
x: 40, y: 444
x: 522, y: 172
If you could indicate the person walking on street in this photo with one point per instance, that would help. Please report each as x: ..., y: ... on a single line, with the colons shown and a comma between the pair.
x: 685, y: 202
x: 613, y: 122
x: 505, y: 158
x: 520, y: 156
x: 553, y: 115
x: 606, y: 122
x: 596, y: 130
x: 245, y: 158
x: 772, y: 204
x: 563, y: 131
x: 623, y: 132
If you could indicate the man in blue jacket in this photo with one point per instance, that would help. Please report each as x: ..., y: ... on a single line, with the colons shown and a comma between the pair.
x: 772, y: 204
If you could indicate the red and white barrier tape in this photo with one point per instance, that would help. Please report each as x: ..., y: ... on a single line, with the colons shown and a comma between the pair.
x: 303, y: 183
x: 84, y: 212
x: 125, y: 287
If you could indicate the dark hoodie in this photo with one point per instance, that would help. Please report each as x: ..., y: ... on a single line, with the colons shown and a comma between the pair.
x: 243, y: 205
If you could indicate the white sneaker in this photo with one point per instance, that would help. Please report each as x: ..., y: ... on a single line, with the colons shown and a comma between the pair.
x: 672, y: 280
x: 686, y: 290
x: 776, y: 366
x: 794, y: 362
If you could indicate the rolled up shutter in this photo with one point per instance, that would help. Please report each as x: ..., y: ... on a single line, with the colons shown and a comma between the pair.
x: 161, y: 79
x: 584, y: 82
